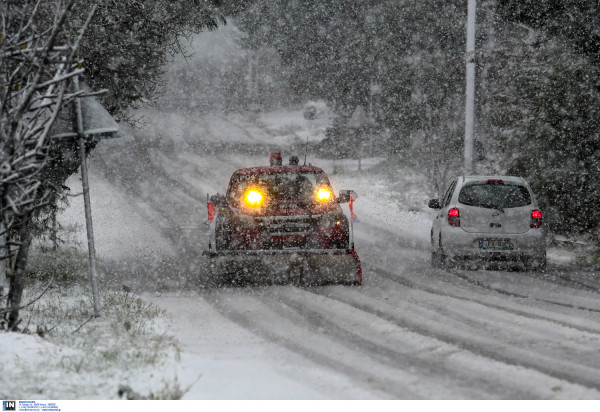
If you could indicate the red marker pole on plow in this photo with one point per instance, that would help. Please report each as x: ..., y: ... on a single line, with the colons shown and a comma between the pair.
x: 211, y: 209
x: 353, y: 217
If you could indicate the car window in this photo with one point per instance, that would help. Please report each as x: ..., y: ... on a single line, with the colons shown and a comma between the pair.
x: 448, y: 195
x: 494, y: 196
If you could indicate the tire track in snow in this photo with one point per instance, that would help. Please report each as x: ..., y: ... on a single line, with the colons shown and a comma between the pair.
x: 478, y: 283
x: 556, y: 276
x: 383, y: 251
x: 501, y: 352
x: 562, y: 341
x: 432, y: 361
x: 123, y: 174
x: 266, y: 323
x: 509, y: 307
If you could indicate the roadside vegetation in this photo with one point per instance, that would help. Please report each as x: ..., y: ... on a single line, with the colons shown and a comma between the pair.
x: 45, y: 47
x: 78, y: 355
x: 112, y: 356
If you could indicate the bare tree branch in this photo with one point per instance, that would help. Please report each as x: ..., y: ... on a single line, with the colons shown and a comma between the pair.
x: 31, y: 302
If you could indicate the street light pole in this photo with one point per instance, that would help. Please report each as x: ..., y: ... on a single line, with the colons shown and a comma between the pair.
x: 470, y: 87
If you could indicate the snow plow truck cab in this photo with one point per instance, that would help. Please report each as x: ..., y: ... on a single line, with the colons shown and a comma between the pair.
x: 282, y: 224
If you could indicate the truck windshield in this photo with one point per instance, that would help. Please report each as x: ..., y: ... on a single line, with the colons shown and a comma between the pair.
x: 281, y: 186
x: 494, y: 196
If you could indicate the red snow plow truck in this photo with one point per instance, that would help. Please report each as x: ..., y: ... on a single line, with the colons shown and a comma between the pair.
x: 282, y: 224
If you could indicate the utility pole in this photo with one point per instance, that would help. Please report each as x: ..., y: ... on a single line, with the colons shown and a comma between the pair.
x: 470, y: 86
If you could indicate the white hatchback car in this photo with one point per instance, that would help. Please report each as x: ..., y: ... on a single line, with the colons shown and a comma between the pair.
x: 488, y: 218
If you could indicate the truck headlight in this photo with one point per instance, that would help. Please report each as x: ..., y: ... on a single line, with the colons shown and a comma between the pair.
x: 324, y: 194
x: 253, y: 197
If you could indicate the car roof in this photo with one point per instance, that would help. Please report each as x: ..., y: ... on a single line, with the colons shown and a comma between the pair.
x: 484, y: 178
x: 277, y: 169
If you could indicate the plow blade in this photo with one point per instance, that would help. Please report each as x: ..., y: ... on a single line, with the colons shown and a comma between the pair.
x: 302, y: 267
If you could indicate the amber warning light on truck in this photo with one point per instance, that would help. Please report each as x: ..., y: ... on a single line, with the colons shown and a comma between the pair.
x: 323, y: 194
x: 253, y: 197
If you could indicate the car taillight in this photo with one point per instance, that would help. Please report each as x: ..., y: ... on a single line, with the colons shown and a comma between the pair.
x: 536, y: 218
x: 453, y: 217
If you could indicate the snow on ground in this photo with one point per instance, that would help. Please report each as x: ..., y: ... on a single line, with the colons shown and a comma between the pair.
x: 223, y: 361
x: 409, y: 332
x: 120, y: 229
x: 26, y: 350
x: 277, y: 128
x: 232, y: 362
x: 69, y: 355
x: 399, y: 206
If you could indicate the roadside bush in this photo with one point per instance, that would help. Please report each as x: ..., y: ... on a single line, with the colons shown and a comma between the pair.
x: 64, y: 266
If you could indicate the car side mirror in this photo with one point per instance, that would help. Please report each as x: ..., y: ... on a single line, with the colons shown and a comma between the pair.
x: 435, y: 204
x: 344, y: 196
x: 218, y: 200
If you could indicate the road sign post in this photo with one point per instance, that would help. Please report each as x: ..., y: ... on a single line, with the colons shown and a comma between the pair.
x: 87, y: 202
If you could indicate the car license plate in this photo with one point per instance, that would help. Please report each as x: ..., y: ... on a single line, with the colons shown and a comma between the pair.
x: 496, y: 244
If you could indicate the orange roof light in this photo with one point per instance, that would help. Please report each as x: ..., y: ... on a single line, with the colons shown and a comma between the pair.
x: 275, y: 159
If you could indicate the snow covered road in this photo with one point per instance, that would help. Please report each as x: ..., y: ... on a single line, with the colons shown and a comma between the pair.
x: 411, y: 331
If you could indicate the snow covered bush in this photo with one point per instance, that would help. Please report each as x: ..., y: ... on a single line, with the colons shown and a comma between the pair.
x: 545, y: 111
x: 84, y: 357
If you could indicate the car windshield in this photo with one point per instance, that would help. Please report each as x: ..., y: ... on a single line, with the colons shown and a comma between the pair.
x: 494, y: 196
x: 281, y: 186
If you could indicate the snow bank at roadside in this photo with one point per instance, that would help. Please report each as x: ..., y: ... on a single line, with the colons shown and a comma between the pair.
x: 72, y: 355
x: 120, y: 231
x: 18, y: 350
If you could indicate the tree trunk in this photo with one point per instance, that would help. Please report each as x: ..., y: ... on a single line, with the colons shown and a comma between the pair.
x: 3, y: 262
x: 17, y: 280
